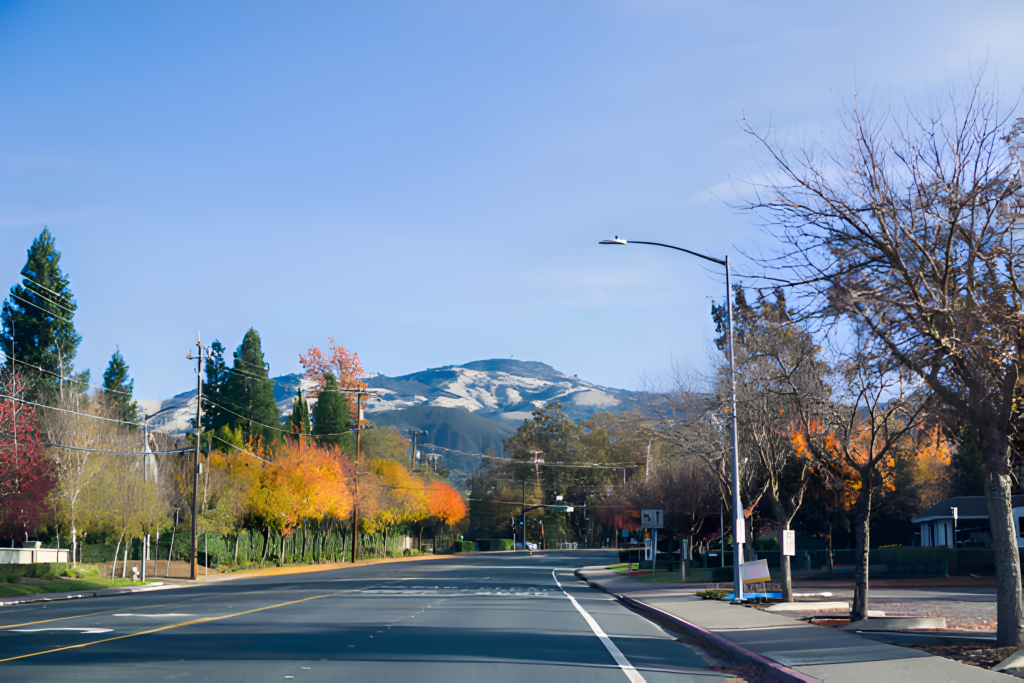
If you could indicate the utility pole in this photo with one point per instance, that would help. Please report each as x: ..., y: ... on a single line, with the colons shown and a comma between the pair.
x: 524, y: 513
x: 355, y: 502
x: 195, y: 458
x: 412, y: 459
x: 647, y: 467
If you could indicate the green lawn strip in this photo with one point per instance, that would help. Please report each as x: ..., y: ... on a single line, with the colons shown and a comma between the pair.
x: 8, y: 590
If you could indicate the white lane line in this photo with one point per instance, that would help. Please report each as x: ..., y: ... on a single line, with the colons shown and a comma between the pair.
x: 76, y: 630
x: 631, y: 673
x: 153, y: 616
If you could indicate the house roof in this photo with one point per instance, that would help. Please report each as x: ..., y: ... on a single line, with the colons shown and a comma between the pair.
x: 967, y: 507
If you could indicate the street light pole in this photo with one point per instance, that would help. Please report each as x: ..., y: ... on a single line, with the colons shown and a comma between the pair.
x: 738, y: 527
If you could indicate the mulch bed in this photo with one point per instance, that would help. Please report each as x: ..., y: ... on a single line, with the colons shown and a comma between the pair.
x: 982, y: 656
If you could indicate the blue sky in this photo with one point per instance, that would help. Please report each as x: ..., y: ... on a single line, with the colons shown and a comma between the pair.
x: 427, y: 181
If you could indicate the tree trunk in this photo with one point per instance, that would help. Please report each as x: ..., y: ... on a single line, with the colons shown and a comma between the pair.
x: 862, y: 516
x: 1004, y: 540
x: 238, y: 537
x: 302, y: 558
x: 113, y: 569
x: 420, y: 546
x: 266, y: 545
x: 283, y: 539
x: 124, y: 565
x: 787, y: 574
x: 385, y: 542
x: 74, y: 546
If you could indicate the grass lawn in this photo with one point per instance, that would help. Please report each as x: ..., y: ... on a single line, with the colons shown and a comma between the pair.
x: 8, y: 590
x: 661, y: 576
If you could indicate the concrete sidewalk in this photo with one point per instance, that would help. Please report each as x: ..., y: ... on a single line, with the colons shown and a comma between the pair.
x: 808, y: 652
x: 74, y: 595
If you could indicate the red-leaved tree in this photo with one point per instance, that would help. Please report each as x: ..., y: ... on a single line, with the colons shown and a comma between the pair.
x: 338, y: 360
x: 24, y: 469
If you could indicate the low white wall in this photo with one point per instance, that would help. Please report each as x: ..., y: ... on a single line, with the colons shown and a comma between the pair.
x: 32, y: 555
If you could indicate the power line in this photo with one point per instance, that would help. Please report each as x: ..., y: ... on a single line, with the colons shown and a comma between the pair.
x: 50, y: 444
x: 70, y: 412
x: 37, y: 284
x: 69, y: 309
x: 277, y: 429
x: 63, y: 377
x: 49, y: 313
x: 240, y: 450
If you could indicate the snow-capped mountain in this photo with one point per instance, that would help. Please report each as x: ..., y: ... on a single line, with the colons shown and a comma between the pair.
x: 503, y: 390
x: 497, y: 388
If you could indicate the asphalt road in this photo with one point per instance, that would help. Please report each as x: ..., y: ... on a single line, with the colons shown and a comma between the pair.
x: 492, y: 618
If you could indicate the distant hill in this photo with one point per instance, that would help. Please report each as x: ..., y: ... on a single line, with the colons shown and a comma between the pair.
x: 468, y: 408
x: 456, y: 429
x: 503, y: 389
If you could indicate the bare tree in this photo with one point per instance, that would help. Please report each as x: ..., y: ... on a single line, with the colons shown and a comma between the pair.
x: 856, y: 436
x: 777, y: 364
x: 692, y: 420
x: 902, y: 229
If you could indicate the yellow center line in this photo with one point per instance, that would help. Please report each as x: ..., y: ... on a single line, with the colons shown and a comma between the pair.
x: 165, y: 628
x: 83, y: 616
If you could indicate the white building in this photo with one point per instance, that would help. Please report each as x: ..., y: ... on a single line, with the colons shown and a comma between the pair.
x: 971, y: 528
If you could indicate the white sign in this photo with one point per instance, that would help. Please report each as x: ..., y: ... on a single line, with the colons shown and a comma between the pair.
x: 789, y: 542
x: 740, y: 530
x: 755, y: 572
x: 652, y: 519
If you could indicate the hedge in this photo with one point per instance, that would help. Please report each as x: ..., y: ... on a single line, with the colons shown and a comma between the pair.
x: 463, y: 546
x: 493, y: 544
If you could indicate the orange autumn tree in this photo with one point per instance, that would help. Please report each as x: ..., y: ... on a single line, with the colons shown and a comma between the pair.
x: 318, y: 490
x: 338, y: 360
x: 860, y: 432
x: 445, y: 504
x: 397, y: 497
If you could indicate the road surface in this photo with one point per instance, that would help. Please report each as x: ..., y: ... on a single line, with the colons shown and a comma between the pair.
x: 492, y: 618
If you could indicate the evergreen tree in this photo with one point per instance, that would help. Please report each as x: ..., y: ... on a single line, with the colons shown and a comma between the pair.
x: 118, y: 387
x: 250, y: 392
x: 331, y: 421
x: 300, y: 414
x: 214, y: 389
x: 36, y: 325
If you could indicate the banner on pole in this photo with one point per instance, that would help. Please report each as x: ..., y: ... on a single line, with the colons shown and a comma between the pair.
x: 789, y: 542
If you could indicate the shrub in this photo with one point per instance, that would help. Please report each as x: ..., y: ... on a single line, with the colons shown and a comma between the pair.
x: 463, y: 546
x: 11, y: 578
x: 494, y: 544
x: 51, y: 575
x: 766, y: 544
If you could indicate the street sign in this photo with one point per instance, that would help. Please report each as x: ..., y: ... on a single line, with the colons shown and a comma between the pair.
x: 789, y: 542
x: 741, y: 530
x: 652, y: 519
x: 755, y: 572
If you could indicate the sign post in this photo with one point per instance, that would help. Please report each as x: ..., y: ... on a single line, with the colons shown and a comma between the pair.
x: 653, y: 520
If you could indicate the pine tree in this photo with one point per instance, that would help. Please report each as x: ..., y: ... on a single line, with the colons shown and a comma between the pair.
x: 118, y: 387
x: 250, y: 392
x: 214, y: 389
x: 331, y: 421
x: 36, y: 325
x: 300, y: 414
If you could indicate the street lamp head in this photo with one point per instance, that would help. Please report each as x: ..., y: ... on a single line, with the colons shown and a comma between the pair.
x: 614, y: 241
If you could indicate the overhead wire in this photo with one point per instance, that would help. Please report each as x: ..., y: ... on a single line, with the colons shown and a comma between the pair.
x: 64, y: 377
x: 67, y: 308
x: 49, y: 313
x: 51, y: 444
x: 276, y: 429
x: 71, y: 412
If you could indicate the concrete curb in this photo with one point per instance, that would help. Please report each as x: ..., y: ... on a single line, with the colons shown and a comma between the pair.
x: 97, y: 593
x: 779, y: 672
